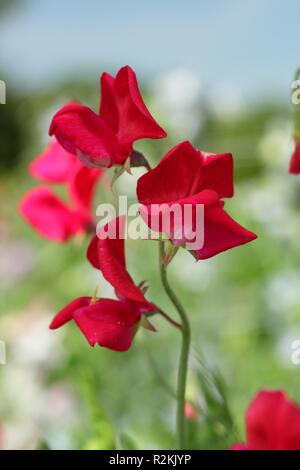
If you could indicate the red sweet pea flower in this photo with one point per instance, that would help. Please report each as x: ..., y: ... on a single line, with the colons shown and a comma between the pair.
x: 272, y: 423
x: 295, y: 160
x: 106, y: 139
x: 110, y: 323
x: 186, y: 176
x: 47, y: 213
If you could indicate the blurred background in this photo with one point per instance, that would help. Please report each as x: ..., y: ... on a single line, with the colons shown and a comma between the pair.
x: 219, y: 74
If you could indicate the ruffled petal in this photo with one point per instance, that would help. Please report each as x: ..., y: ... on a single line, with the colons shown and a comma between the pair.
x: 218, y: 173
x: 49, y: 215
x: 185, y: 171
x: 66, y: 314
x: 108, y: 107
x: 177, y: 176
x: 135, y: 121
x: 54, y: 165
x: 221, y: 233
x: 82, y: 132
x: 110, y: 323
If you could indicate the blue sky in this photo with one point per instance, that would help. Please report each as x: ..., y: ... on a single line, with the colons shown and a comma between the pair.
x: 250, y: 44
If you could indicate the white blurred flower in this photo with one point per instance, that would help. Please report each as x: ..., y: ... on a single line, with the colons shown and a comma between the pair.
x: 276, y: 145
x: 269, y: 204
x: 55, y: 405
x: 34, y: 343
x: 178, y: 93
x: 178, y: 89
x: 282, y: 291
x: 34, y: 412
x: 56, y: 415
x: 198, y: 275
x: 20, y: 389
x: 226, y: 101
x: 29, y: 407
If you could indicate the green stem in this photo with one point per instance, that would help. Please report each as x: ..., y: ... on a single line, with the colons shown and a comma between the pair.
x: 184, y: 355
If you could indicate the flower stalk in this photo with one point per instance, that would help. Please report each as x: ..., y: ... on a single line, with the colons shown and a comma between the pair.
x: 184, y: 354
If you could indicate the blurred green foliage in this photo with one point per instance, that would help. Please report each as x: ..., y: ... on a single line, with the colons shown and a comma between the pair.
x: 5, y: 5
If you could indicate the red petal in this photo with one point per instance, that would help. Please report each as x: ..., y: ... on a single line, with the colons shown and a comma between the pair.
x: 66, y: 314
x: 83, y: 133
x: 108, y: 256
x: 48, y: 215
x: 221, y: 233
x: 172, y: 178
x: 273, y: 422
x: 218, y: 174
x: 92, y: 252
x: 185, y: 171
x: 108, y: 107
x: 114, y: 246
x: 108, y: 322
x: 54, y: 164
x: 295, y: 160
x: 135, y: 121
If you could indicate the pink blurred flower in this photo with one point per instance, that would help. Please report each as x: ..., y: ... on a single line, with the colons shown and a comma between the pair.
x: 47, y: 213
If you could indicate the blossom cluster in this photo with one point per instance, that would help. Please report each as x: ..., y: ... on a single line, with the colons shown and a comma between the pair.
x: 84, y: 144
